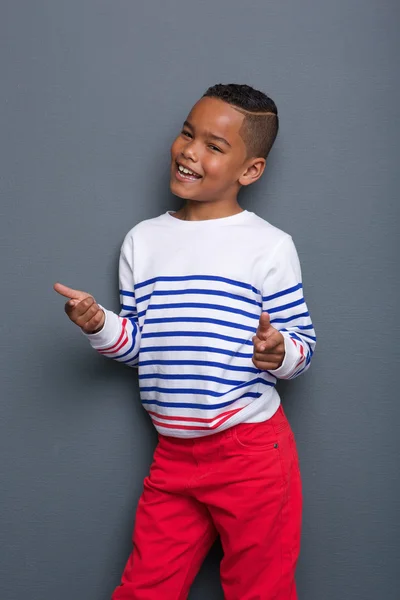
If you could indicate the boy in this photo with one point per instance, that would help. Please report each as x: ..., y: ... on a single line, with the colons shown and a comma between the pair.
x: 212, y: 313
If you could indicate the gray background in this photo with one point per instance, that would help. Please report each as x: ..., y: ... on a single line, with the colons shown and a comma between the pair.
x: 92, y: 94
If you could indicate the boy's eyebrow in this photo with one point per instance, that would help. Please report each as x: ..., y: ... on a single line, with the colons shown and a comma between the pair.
x: 211, y: 135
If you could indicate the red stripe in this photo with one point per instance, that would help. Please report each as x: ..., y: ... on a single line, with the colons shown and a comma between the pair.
x: 114, y: 348
x: 302, y: 359
x: 192, y: 427
x: 228, y: 417
x: 118, y: 348
x: 196, y: 419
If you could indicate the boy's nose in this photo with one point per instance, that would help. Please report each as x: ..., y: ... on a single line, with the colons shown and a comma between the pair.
x: 190, y: 152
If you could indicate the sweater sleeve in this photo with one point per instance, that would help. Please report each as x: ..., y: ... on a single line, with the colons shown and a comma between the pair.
x: 120, y: 335
x: 284, y: 301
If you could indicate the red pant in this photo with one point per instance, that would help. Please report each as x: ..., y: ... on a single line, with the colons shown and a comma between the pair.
x: 243, y: 484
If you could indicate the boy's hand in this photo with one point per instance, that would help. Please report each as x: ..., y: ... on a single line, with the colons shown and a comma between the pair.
x: 269, y: 345
x: 82, y: 309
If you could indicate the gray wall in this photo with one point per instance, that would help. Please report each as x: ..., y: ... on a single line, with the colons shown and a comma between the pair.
x: 92, y: 93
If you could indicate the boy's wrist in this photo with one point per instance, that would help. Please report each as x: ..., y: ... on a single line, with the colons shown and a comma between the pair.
x: 108, y: 334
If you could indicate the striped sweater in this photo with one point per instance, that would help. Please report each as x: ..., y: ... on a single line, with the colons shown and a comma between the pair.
x: 191, y: 296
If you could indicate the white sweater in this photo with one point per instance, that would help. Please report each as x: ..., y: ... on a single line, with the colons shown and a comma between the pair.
x: 191, y: 297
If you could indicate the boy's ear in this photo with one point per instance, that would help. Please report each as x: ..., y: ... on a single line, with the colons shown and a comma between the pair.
x: 253, y: 171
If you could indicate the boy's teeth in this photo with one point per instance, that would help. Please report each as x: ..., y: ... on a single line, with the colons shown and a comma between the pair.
x: 184, y: 170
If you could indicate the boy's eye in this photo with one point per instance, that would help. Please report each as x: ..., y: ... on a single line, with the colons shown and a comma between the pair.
x: 214, y: 147
x: 186, y: 133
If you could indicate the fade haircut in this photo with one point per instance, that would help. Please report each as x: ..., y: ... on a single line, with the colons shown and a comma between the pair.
x: 260, y: 125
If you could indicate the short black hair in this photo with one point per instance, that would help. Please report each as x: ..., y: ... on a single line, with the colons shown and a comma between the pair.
x: 261, y: 122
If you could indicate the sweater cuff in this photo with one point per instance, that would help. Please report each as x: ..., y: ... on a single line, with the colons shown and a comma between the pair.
x: 289, y: 361
x: 108, y: 334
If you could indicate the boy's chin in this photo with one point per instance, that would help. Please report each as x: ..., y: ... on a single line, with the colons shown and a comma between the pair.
x: 178, y: 190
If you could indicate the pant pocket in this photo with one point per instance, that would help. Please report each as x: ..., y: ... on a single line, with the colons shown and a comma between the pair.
x: 255, y: 437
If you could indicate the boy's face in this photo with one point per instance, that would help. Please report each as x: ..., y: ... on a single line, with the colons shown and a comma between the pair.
x: 211, y: 147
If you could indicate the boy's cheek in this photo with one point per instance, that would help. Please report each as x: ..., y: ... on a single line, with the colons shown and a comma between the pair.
x: 175, y: 148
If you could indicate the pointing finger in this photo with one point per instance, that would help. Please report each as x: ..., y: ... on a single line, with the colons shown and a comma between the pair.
x: 264, y: 323
x: 68, y: 292
x: 264, y: 326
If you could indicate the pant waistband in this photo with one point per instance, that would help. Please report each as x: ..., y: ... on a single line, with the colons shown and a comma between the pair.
x: 278, y: 422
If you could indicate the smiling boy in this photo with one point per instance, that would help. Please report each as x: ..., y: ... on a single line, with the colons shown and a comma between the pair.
x: 212, y: 314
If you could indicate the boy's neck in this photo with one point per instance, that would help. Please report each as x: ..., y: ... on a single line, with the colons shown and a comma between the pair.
x: 199, y: 211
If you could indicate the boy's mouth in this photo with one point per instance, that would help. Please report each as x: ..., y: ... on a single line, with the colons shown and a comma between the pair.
x: 185, y: 174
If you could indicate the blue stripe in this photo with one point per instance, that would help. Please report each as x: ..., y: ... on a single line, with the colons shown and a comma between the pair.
x: 126, y: 293
x: 201, y: 320
x: 236, y: 311
x: 128, y: 360
x: 156, y: 388
x: 241, y: 284
x: 195, y: 349
x: 282, y: 293
x: 284, y: 306
x: 296, y: 337
x: 129, y: 309
x: 198, y: 363
x: 301, y: 327
x: 285, y: 320
x: 130, y: 314
x: 296, y: 373
x: 190, y: 376
x: 196, y: 334
x: 312, y: 337
x: 197, y: 291
x: 201, y: 406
